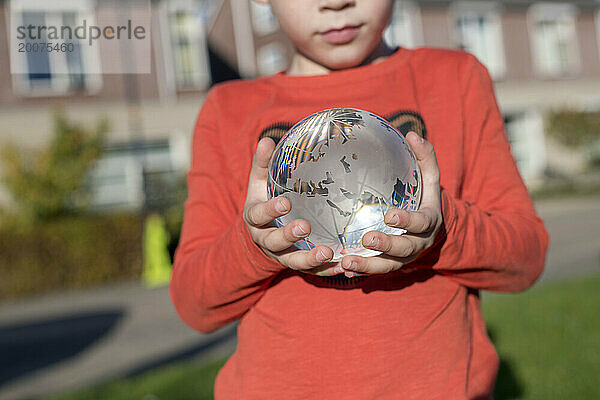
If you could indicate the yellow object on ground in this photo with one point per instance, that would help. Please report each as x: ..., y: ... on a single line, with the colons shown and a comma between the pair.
x: 157, y: 261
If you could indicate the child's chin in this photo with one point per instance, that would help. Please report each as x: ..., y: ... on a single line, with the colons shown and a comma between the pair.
x: 345, y: 63
x: 344, y: 58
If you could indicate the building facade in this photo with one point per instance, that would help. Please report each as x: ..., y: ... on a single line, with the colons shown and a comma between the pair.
x: 151, y: 115
x: 541, y: 55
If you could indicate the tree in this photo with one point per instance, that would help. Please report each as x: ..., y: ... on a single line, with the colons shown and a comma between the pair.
x: 49, y: 182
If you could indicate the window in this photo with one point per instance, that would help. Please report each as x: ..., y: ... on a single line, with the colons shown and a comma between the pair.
x: 188, y: 45
x: 598, y: 29
x: 130, y: 175
x: 554, y: 39
x: 271, y: 58
x: 478, y: 30
x: 59, y: 72
x: 525, y: 131
x: 263, y: 20
x: 405, y: 28
x: 116, y: 181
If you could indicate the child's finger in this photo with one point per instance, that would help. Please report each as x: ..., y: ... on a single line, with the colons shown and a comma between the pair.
x: 421, y: 221
x: 430, y: 170
x: 372, y: 265
x: 328, y: 269
x: 393, y: 245
x: 262, y: 213
x: 260, y: 161
x: 350, y: 274
x: 280, y: 239
x: 304, y: 260
x: 426, y: 158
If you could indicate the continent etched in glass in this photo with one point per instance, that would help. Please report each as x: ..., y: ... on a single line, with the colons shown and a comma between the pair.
x: 342, y: 169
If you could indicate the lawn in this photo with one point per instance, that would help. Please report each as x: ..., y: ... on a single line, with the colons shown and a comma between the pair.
x: 548, y: 339
x: 182, y: 381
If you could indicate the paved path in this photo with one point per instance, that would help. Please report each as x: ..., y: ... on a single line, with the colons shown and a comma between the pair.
x: 76, y: 339
x: 574, y: 227
x: 58, y: 342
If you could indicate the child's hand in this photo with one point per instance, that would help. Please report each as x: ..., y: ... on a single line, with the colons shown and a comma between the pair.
x: 422, y: 226
x: 259, y: 213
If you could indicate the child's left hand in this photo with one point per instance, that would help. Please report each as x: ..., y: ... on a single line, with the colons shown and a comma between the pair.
x: 422, y: 226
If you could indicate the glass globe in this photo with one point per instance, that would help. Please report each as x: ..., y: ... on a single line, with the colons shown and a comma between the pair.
x: 342, y: 169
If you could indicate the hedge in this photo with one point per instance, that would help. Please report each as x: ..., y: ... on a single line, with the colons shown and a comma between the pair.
x: 69, y: 252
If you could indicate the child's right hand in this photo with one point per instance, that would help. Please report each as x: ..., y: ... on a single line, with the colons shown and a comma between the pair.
x: 259, y: 213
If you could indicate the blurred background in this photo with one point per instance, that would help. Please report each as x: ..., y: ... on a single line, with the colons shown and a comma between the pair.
x: 93, y: 165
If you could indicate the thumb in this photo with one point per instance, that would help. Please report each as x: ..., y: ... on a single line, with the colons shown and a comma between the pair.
x: 260, y: 161
x: 427, y: 161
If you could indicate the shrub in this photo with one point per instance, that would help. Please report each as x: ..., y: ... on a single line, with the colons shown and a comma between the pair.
x: 574, y: 128
x: 69, y: 252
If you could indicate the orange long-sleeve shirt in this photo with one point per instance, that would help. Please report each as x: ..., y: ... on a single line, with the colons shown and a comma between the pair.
x: 408, y: 335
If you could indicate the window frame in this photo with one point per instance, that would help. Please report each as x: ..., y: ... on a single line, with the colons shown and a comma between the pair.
x: 492, y: 13
x: 597, y: 26
x: 59, y: 84
x: 416, y: 24
x: 538, y: 11
x: 275, y: 46
x: 257, y: 18
x: 198, y: 45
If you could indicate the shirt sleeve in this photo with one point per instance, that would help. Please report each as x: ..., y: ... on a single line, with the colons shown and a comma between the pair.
x: 491, y: 238
x: 218, y: 272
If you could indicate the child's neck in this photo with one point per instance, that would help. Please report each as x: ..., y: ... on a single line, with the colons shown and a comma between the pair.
x: 304, y: 66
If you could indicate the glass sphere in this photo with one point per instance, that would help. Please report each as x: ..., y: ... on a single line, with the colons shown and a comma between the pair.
x: 342, y: 169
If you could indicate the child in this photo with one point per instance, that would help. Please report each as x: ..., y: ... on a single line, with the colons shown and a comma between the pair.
x: 403, y: 325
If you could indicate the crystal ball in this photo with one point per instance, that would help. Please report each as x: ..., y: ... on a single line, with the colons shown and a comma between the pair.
x: 342, y: 169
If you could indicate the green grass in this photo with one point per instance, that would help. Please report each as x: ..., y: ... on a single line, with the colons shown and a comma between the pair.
x: 548, y: 340
x: 184, y: 381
